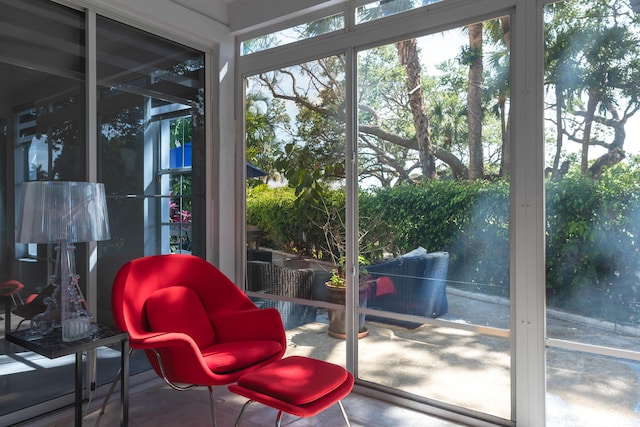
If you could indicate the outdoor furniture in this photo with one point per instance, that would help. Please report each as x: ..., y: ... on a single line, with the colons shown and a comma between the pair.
x: 418, y: 282
x: 10, y: 292
x: 195, y: 325
x: 259, y: 255
x: 287, y: 282
x: 33, y: 305
x: 297, y: 385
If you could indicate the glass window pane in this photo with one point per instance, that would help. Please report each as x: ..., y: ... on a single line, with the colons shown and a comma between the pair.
x: 589, y: 390
x: 43, y: 137
x: 295, y: 186
x: 383, y: 8
x: 434, y: 213
x: 151, y: 148
x: 150, y: 105
x: 592, y: 207
x: 293, y: 34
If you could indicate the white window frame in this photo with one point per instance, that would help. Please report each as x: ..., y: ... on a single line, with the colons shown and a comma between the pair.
x: 527, y: 181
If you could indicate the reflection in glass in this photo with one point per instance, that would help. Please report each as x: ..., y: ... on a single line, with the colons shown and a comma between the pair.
x: 43, y: 137
x: 151, y: 105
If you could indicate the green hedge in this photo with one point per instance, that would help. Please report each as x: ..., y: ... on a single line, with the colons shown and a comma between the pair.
x: 593, y: 256
x: 593, y: 226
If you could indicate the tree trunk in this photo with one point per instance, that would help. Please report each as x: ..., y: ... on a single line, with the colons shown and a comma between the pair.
x: 559, y: 105
x: 505, y: 163
x: 408, y: 55
x: 474, y: 103
x: 592, y: 103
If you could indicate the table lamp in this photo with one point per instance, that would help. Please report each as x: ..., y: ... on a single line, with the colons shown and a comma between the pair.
x: 63, y: 212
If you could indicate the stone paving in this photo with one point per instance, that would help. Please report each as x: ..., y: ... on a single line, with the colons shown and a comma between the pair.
x: 471, y: 370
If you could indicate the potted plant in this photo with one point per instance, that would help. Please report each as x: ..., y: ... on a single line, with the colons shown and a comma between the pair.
x: 336, y: 287
x: 328, y: 217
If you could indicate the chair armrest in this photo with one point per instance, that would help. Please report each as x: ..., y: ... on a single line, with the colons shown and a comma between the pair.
x: 255, y: 324
x: 161, y: 339
x: 181, y: 359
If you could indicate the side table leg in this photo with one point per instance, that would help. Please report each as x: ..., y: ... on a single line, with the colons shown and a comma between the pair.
x: 124, y: 383
x: 78, y: 407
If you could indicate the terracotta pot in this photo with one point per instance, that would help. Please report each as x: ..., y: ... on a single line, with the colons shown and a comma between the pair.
x: 337, y: 318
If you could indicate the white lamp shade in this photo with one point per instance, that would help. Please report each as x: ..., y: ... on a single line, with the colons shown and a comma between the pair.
x: 63, y: 211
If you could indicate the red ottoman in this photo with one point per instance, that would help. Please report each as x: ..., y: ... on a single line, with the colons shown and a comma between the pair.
x: 296, y: 385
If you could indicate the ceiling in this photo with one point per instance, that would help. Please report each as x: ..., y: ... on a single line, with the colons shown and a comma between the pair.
x: 214, y: 9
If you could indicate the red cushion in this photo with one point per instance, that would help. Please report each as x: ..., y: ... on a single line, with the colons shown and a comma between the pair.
x: 231, y: 356
x: 179, y: 309
x: 297, y: 380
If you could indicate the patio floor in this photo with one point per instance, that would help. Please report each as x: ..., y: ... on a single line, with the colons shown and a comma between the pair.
x: 443, y: 363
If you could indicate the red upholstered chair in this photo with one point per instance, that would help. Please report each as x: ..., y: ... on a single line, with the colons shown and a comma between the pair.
x: 195, y: 325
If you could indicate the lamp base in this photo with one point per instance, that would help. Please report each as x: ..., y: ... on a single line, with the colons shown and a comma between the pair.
x: 76, y: 320
x: 44, y: 323
x: 66, y: 307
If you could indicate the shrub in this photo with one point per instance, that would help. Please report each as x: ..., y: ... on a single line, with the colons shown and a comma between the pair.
x: 593, y: 260
x: 593, y: 226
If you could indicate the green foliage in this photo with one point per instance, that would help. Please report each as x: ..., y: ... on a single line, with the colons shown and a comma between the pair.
x: 275, y: 212
x: 468, y: 219
x: 592, y: 244
x: 180, y: 132
x: 592, y: 247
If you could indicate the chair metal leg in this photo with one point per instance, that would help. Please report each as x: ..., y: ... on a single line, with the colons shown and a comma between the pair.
x: 110, y: 392
x: 237, y: 424
x: 279, y: 419
x: 112, y: 388
x: 19, y: 324
x: 213, y: 406
x: 344, y: 413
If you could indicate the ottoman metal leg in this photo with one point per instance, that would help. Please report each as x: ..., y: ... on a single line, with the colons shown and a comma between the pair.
x: 297, y: 385
x: 279, y: 417
x: 237, y: 424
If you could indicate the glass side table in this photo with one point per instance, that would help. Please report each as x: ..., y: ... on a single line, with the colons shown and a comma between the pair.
x: 52, y: 346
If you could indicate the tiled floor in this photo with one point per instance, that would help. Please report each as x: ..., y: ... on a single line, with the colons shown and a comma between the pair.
x: 154, y: 404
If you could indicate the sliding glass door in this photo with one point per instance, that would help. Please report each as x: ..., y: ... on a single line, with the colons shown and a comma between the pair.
x: 433, y: 173
x: 425, y: 306
x: 593, y: 210
x: 295, y: 130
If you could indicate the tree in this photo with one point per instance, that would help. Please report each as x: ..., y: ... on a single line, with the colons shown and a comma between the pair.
x: 262, y: 115
x: 474, y: 102
x: 592, y: 51
x: 397, y: 140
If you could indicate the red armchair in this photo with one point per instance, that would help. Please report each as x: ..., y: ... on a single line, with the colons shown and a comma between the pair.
x: 195, y: 325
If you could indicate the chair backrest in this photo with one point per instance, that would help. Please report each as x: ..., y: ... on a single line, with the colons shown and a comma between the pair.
x: 138, y: 279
